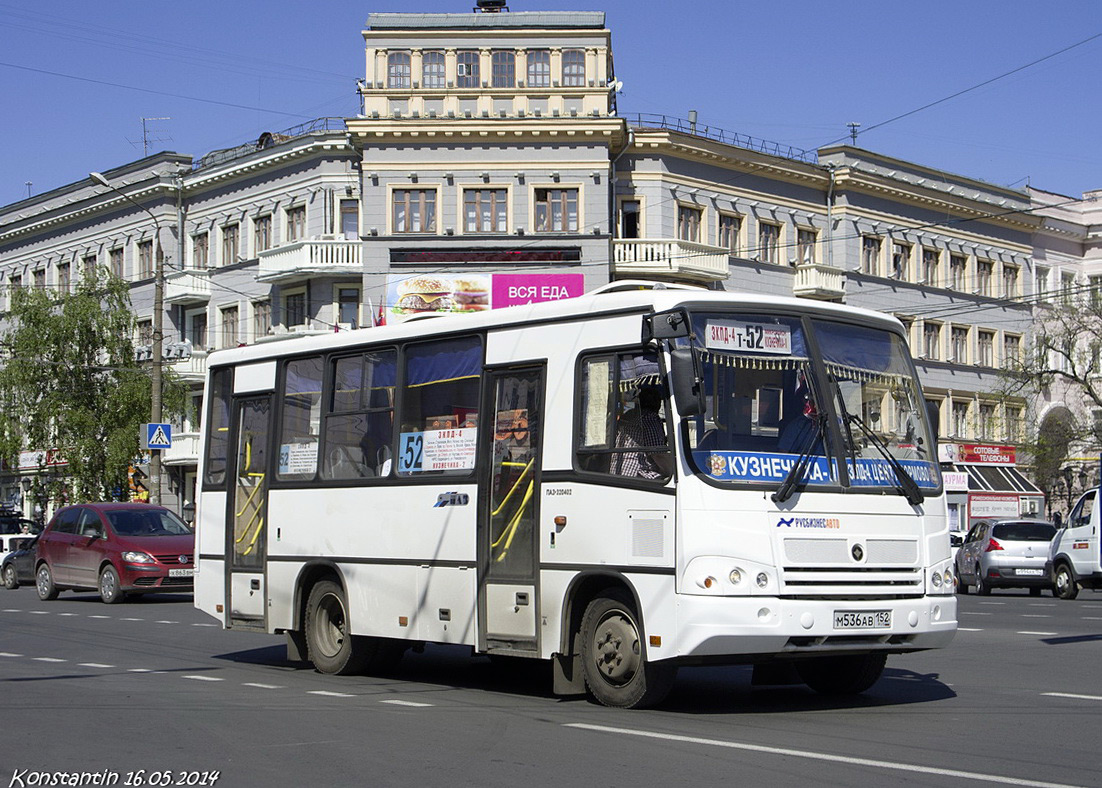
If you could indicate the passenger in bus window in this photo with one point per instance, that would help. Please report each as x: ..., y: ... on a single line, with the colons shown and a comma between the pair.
x: 642, y: 431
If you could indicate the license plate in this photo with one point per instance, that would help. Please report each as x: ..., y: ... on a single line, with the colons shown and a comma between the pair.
x: 1030, y: 572
x: 181, y: 572
x: 862, y: 619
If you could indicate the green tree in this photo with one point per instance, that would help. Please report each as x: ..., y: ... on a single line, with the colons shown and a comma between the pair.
x: 69, y: 382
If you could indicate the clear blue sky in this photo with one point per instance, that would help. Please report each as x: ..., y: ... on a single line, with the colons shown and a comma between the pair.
x: 794, y: 72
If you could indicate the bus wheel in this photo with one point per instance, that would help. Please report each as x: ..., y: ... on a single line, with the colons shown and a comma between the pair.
x: 616, y: 672
x: 1064, y: 585
x: 328, y: 643
x: 849, y: 674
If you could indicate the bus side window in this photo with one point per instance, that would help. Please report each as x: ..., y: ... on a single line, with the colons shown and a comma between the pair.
x: 218, y: 428
x: 301, y: 427
x: 360, y: 416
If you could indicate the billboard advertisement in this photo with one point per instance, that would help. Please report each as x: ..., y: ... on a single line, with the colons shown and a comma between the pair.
x: 470, y: 292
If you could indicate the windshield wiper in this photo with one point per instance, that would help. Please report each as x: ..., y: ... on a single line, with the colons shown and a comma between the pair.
x: 907, y: 485
x: 803, y: 461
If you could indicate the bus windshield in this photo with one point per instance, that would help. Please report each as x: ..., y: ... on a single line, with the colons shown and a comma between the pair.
x: 770, y: 405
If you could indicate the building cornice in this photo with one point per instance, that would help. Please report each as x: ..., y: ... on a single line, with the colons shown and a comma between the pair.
x: 368, y: 131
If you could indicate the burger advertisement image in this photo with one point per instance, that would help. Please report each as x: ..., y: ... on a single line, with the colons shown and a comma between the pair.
x: 409, y: 296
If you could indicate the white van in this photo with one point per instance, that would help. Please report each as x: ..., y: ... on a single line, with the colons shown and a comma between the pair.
x: 1074, y: 559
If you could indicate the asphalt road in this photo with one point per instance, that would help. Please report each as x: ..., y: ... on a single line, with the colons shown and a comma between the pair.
x: 152, y: 692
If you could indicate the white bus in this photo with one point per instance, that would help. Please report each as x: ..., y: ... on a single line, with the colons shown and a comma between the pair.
x: 621, y: 483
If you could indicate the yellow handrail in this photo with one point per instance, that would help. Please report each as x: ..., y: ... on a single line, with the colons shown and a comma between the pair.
x: 516, y: 484
x: 511, y: 529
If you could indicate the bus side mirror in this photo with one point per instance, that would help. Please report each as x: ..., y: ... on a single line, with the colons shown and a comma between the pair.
x: 687, y: 393
x: 933, y: 415
x: 673, y: 324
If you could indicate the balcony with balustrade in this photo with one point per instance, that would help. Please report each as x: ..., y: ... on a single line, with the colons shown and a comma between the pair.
x: 193, y: 369
x: 305, y: 259
x: 819, y: 281
x: 669, y: 259
x: 184, y: 451
x: 190, y: 286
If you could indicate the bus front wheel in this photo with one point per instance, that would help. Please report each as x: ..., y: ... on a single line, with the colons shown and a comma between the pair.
x: 847, y: 674
x: 329, y: 644
x: 1064, y: 584
x: 616, y: 671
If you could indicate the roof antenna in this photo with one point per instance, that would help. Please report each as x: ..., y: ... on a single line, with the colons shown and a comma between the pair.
x: 853, y: 127
x: 491, y: 6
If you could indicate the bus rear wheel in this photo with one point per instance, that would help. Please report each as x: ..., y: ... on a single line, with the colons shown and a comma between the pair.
x: 847, y: 674
x: 329, y: 645
x: 616, y: 671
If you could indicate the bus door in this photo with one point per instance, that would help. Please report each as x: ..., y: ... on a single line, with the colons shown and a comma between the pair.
x: 248, y: 511
x: 509, y: 496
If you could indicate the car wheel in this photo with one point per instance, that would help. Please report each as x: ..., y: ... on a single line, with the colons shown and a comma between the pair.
x: 615, y: 669
x: 44, y: 582
x: 962, y: 587
x: 110, y: 589
x: 9, y: 577
x: 329, y: 643
x: 1064, y: 584
x: 982, y: 588
x: 849, y: 674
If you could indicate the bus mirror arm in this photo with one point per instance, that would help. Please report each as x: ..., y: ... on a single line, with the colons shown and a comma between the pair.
x: 933, y: 415
x: 687, y: 377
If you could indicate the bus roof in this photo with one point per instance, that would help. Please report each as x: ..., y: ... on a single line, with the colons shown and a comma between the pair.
x: 619, y: 297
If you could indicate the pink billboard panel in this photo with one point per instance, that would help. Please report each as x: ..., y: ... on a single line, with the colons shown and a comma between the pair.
x: 515, y: 289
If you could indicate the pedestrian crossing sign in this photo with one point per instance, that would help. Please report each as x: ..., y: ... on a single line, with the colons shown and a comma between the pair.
x: 157, y: 436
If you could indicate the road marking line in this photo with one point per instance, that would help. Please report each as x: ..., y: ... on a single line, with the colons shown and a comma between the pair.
x: 168, y: 622
x: 406, y: 703
x: 1092, y: 618
x: 974, y: 613
x: 198, y: 625
x: 968, y: 629
x: 68, y: 614
x: 1072, y: 695
x: 95, y: 665
x: 39, y: 612
x: 139, y: 670
x: 9, y: 654
x: 818, y: 756
x: 992, y: 603
x: 204, y: 678
x: 1038, y: 633
x: 12, y: 610
x: 131, y: 619
x: 1042, y: 604
x: 99, y: 616
x: 1036, y: 615
x: 262, y: 686
x: 48, y: 659
x: 330, y: 694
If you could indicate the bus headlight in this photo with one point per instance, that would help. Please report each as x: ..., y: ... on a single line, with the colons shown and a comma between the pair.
x: 941, y: 579
x: 714, y: 575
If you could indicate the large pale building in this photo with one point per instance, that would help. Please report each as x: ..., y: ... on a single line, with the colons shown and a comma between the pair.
x: 489, y: 165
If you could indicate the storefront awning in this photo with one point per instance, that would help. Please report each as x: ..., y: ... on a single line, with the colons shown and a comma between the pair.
x: 995, y: 478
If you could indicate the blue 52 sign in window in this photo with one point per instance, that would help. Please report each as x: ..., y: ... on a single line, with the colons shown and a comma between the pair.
x: 411, y: 447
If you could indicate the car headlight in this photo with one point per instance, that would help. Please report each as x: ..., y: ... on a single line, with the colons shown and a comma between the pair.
x: 136, y: 557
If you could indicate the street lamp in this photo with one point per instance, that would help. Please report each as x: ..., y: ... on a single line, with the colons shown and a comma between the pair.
x: 158, y: 334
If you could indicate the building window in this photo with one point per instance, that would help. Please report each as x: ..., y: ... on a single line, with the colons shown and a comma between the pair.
x: 39, y: 277
x: 262, y: 318
x: 485, y: 211
x: 1095, y: 283
x: 195, y: 328
x: 985, y: 348
x: 414, y: 210
x: 397, y: 70
x: 729, y: 229
x: 145, y: 259
x: 231, y: 243
x: 573, y: 68
x: 348, y: 306
x: 200, y: 251
x: 145, y: 333
x: 769, y: 242
x: 350, y: 219
x: 1012, y: 350
x: 88, y: 267
x: 806, y: 241
x: 1010, y: 281
x: 64, y: 278
x: 296, y: 223
x: 901, y: 257
x: 1042, y: 283
x: 987, y: 422
x: 960, y: 419
x: 539, y: 68
x: 557, y: 210
x: 229, y: 327
x: 294, y: 309
x: 689, y: 219
x: 958, y: 270
x: 984, y: 271
x: 958, y: 341
x: 930, y: 260
x: 503, y: 63
x: 433, y: 73
x: 262, y: 227
x: 117, y: 265
x: 1013, y: 424
x: 466, y: 69
x: 630, y: 219
x: 931, y: 341
x: 870, y: 255
x: 1067, y: 288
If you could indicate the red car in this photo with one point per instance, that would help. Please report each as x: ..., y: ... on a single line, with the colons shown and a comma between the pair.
x: 115, y: 548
